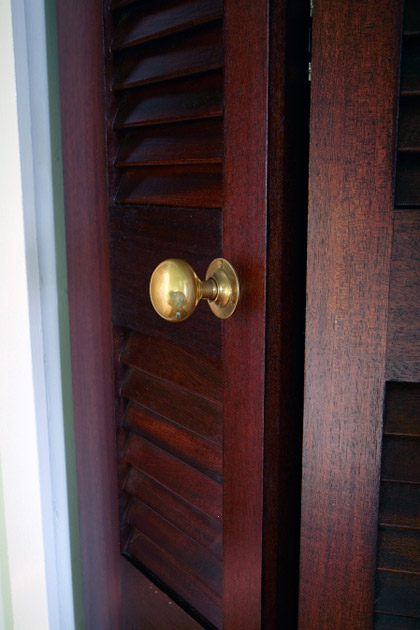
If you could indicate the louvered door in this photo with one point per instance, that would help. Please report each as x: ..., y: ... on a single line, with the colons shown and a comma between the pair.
x: 165, y: 156
x: 177, y: 153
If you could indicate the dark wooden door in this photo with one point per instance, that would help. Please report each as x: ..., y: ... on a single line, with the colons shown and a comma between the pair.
x: 360, y: 561
x: 184, y: 129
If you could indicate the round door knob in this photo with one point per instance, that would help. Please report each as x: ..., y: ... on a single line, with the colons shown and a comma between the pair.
x: 175, y: 289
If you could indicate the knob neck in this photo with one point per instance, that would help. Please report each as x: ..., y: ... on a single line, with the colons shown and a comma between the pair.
x: 209, y: 289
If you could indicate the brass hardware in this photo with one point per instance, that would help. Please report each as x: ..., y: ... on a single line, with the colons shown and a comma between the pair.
x: 175, y: 289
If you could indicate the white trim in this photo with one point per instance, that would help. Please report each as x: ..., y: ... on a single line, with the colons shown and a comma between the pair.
x: 59, y: 574
x: 32, y: 452
x: 19, y: 318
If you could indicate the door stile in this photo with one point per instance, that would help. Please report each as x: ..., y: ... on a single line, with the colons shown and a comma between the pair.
x: 355, y: 69
x: 264, y: 234
x: 79, y: 27
x: 244, y: 244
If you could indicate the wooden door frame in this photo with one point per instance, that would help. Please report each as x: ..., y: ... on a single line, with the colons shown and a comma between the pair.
x: 79, y: 30
x: 355, y: 70
x: 264, y: 234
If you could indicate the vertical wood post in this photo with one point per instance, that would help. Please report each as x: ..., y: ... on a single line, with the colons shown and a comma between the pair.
x: 85, y: 193
x: 355, y: 68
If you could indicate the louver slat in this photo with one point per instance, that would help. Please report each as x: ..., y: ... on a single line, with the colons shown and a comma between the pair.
x: 182, y: 99
x: 176, y: 364
x: 193, y: 52
x: 183, y: 143
x: 205, y: 530
x: 163, y: 565
x: 186, y: 445
x: 170, y: 401
x: 399, y: 549
x: 189, y: 555
x: 182, y: 186
x: 157, y: 18
x: 146, y: 606
x: 197, y: 489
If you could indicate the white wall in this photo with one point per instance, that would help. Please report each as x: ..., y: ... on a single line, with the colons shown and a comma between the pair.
x: 35, y: 560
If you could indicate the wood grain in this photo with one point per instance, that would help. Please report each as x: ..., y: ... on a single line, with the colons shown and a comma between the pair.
x: 161, y: 18
x: 403, y: 344
x: 188, y: 410
x: 196, y: 51
x: 121, y: 435
x: 146, y: 606
x: 195, y: 142
x: 184, y: 186
x: 141, y: 235
x: 191, y: 590
x: 140, y: 239
x: 244, y: 245
x: 119, y: 340
x: 202, y: 528
x: 168, y: 420
x: 184, y: 444
x: 353, y: 115
x: 199, y: 490
x: 189, y: 555
x: 181, y: 99
x: 191, y: 370
x: 80, y: 49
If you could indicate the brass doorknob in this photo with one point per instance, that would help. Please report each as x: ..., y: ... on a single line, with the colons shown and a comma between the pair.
x: 175, y: 289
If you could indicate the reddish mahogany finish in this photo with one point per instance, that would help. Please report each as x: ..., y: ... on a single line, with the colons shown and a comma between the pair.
x: 184, y: 99
x: 192, y: 235
x: 353, y: 103
x: 194, y: 52
x: 189, y: 186
x: 244, y: 244
x: 193, y: 371
x: 403, y: 346
x: 185, y: 409
x: 152, y: 21
x: 203, y: 493
x: 187, y: 445
x: 264, y: 225
x: 83, y: 138
x: 147, y: 607
x: 190, y: 143
x: 201, y: 527
x: 165, y: 198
